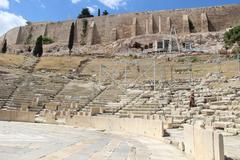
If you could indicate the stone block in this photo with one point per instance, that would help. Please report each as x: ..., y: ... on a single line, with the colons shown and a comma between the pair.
x: 189, y: 140
x: 218, y: 146
x: 222, y: 125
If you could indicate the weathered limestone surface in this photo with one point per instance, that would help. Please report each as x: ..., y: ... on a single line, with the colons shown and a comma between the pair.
x: 186, y: 28
x: 150, y: 128
x: 18, y: 116
x: 204, y: 23
x: 134, y: 27
x: 12, y: 36
x: 203, y: 143
x: 129, y: 25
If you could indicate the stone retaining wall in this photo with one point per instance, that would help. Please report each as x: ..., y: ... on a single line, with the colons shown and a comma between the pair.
x: 18, y: 116
x: 149, y: 128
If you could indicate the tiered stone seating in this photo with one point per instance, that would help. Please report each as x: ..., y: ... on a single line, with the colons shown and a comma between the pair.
x: 143, y: 105
x: 8, y: 85
x: 77, y: 93
x: 107, y: 100
x: 34, y: 92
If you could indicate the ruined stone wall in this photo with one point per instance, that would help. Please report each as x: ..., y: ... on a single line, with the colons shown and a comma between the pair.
x: 107, y: 29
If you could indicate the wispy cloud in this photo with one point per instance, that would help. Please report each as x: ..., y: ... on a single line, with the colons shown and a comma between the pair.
x: 75, y: 1
x: 4, y: 4
x: 93, y: 9
x: 114, y: 4
x: 9, y: 21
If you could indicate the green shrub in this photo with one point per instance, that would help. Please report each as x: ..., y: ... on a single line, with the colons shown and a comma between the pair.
x: 231, y: 37
x: 47, y: 40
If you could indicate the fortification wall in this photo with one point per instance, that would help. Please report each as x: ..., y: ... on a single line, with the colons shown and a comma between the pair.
x: 184, y: 21
x: 37, y: 30
x: 59, y: 31
x: 12, y: 35
x: 24, y: 34
x: 105, y: 29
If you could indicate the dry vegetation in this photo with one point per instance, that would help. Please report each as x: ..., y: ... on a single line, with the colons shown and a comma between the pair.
x: 58, y: 64
x: 11, y: 61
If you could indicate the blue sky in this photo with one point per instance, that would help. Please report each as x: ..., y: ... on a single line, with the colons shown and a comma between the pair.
x: 17, y: 12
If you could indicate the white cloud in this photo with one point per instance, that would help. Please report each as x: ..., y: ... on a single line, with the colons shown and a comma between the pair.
x: 18, y: 1
x: 75, y: 1
x: 113, y: 4
x: 9, y: 21
x: 93, y: 8
x: 4, y: 4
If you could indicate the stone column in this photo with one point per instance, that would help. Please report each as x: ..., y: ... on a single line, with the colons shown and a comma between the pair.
x: 186, y: 28
x: 204, y: 23
x: 134, y: 27
x: 159, y: 24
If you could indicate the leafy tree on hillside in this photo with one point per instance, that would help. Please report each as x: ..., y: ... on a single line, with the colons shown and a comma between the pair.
x: 38, y: 49
x: 4, y: 47
x: 105, y: 12
x: 85, y: 13
x: 71, y: 38
x: 232, y: 36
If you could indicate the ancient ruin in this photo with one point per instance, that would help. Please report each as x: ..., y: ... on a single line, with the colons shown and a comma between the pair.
x: 148, y: 85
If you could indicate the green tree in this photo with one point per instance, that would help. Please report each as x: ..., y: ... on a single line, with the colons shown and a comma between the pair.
x: 71, y: 38
x: 99, y: 12
x: 231, y: 37
x: 85, y: 13
x: 105, y: 12
x: 38, y: 49
x: 4, y: 47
